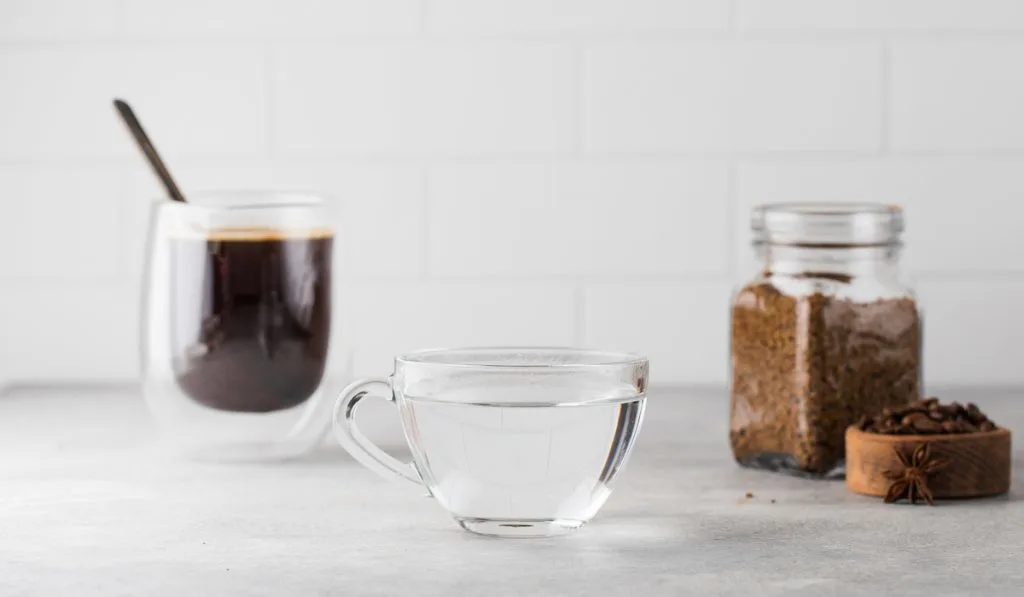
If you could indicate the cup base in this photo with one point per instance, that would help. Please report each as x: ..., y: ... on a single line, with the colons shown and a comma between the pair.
x: 529, y: 528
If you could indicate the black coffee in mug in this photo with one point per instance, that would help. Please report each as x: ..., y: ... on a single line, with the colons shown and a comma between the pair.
x: 250, y: 317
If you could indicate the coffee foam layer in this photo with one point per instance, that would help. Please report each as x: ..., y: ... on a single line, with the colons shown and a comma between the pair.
x: 259, y: 234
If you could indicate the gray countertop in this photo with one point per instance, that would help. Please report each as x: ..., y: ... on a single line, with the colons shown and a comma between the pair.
x: 89, y: 505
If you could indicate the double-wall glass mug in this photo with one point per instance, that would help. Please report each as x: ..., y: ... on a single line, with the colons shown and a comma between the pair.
x: 236, y: 324
x: 512, y: 442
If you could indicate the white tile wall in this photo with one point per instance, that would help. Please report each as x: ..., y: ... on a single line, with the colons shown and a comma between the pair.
x: 198, y: 100
x: 269, y: 19
x: 514, y: 171
x: 577, y: 218
x: 423, y: 98
x: 381, y: 317
x: 956, y: 208
x: 957, y: 96
x: 63, y: 330
x: 732, y: 96
x: 681, y: 326
x: 937, y: 16
x: 51, y: 229
x: 57, y: 20
x: 969, y: 332
x: 476, y: 17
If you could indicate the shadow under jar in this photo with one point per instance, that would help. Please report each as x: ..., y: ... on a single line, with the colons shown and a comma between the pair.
x: 237, y: 323
x: 825, y: 333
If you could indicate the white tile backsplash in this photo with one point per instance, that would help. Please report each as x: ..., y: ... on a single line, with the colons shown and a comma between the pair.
x: 970, y: 327
x: 956, y: 208
x: 181, y: 18
x: 729, y: 96
x: 948, y: 96
x: 378, y: 212
x: 616, y: 215
x: 578, y: 218
x: 56, y: 331
x: 423, y: 99
x: 681, y: 326
x: 476, y: 17
x: 331, y: 19
x: 269, y: 19
x: 60, y: 223
x: 882, y: 15
x: 57, y: 20
x: 67, y: 112
x: 513, y: 171
x: 382, y: 320
x: 194, y: 100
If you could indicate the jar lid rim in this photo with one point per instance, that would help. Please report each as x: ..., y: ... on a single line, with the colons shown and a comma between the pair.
x: 838, y: 223
x: 831, y: 209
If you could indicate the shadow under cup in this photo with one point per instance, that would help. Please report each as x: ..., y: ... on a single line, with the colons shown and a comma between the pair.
x: 237, y: 324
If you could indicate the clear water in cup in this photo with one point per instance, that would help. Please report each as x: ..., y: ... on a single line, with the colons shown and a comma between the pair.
x: 524, y: 458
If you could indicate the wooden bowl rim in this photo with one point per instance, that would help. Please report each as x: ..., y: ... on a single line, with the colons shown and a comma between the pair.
x: 893, y: 439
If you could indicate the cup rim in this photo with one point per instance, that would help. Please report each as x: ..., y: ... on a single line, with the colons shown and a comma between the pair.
x: 577, y: 358
x: 246, y: 199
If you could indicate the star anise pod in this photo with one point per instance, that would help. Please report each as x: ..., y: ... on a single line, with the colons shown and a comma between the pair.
x: 912, y: 482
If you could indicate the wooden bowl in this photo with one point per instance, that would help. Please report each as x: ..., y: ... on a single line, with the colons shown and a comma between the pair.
x: 977, y: 464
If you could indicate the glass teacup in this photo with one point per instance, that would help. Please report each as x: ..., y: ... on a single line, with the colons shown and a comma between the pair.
x: 519, y: 442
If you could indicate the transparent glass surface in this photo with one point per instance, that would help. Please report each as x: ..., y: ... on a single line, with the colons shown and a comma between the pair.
x: 826, y: 331
x: 511, y: 442
x: 236, y: 323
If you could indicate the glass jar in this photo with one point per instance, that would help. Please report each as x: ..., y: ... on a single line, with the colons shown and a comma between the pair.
x: 825, y: 333
x: 236, y: 324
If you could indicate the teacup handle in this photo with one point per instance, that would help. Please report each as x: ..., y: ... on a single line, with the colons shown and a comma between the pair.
x: 361, y: 448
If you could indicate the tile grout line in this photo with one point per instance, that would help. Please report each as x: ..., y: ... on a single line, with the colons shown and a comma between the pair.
x: 731, y: 252
x: 731, y: 168
x: 580, y: 304
x: 268, y: 99
x: 639, y: 36
x: 327, y: 158
x: 124, y: 223
x: 577, y: 100
x: 885, y: 116
x: 422, y: 17
x: 350, y: 362
x: 424, y: 177
x: 960, y: 275
x: 119, y: 18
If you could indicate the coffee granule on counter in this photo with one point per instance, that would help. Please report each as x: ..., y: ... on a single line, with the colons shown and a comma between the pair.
x: 804, y: 368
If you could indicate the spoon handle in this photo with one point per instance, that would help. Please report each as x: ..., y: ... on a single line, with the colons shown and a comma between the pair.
x: 147, y: 148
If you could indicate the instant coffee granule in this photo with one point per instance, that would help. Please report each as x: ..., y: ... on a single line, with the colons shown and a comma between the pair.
x: 804, y: 368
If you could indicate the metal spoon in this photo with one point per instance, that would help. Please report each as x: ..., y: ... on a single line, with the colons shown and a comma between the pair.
x: 135, y: 127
